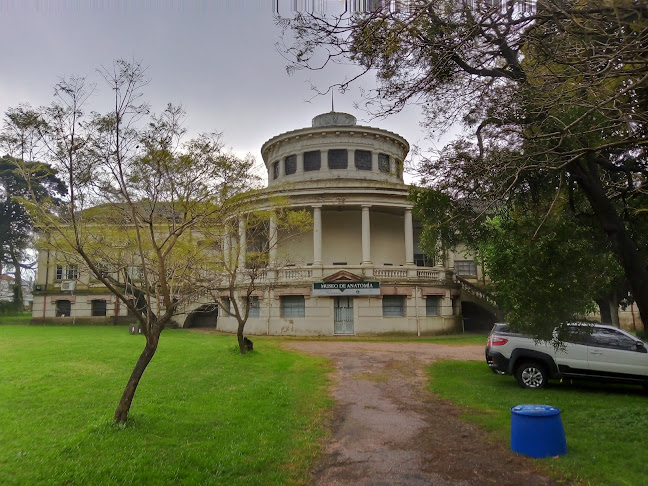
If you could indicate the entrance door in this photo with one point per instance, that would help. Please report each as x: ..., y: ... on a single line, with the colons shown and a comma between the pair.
x: 343, y: 315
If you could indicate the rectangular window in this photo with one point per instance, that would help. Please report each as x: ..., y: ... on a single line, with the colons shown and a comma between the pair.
x: 293, y: 306
x: 422, y: 260
x: 465, y: 267
x: 338, y: 159
x: 72, y: 272
x: 290, y: 164
x: 254, y: 307
x: 225, y: 301
x: 312, y: 160
x: 362, y: 159
x: 432, y: 305
x: 383, y: 163
x: 275, y: 170
x: 63, y: 308
x: 393, y: 305
x: 98, y: 307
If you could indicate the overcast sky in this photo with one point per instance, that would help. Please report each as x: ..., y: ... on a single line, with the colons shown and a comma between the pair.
x: 217, y: 58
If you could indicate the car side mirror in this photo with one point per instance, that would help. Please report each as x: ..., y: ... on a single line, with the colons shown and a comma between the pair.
x: 641, y: 346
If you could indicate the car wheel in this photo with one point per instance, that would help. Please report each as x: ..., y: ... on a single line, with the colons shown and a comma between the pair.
x: 531, y: 374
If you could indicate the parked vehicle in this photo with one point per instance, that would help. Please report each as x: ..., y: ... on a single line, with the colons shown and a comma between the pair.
x: 585, y: 351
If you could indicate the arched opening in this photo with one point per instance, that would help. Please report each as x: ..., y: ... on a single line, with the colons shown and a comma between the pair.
x: 204, y: 316
x: 476, y: 318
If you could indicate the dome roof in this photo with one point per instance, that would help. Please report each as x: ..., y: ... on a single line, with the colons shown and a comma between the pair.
x: 334, y: 119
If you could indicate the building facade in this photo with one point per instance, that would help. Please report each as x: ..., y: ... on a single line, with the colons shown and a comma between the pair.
x: 357, y: 271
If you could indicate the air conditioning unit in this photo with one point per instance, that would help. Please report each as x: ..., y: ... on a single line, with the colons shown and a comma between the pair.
x: 69, y: 285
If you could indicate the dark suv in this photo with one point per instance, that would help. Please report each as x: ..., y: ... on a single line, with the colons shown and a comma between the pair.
x: 586, y: 351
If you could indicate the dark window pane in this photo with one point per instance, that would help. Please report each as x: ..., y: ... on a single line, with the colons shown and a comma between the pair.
x: 63, y: 308
x: 254, y: 307
x: 338, y: 159
x: 312, y: 160
x: 393, y: 306
x: 432, y: 305
x: 98, y: 307
x: 465, y: 267
x: 363, y: 159
x: 383, y: 163
x: 290, y: 164
x: 422, y: 260
x: 275, y: 170
x: 293, y: 306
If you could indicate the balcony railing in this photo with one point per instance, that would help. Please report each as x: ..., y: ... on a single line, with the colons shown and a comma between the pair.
x: 422, y: 275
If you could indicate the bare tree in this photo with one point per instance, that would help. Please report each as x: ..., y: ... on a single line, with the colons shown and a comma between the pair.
x: 137, y: 193
x: 246, y: 255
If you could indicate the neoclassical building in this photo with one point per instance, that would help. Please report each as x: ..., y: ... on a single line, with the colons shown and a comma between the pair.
x: 358, y: 270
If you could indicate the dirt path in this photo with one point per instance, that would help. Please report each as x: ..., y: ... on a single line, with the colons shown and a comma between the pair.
x: 388, y: 430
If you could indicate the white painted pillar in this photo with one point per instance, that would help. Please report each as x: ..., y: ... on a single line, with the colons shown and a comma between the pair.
x: 227, y: 248
x: 317, y: 235
x: 409, y: 238
x: 273, y: 237
x: 366, y: 235
x: 242, y: 244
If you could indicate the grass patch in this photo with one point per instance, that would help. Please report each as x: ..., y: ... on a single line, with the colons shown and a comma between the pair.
x: 22, y: 319
x: 203, y: 414
x: 605, y: 425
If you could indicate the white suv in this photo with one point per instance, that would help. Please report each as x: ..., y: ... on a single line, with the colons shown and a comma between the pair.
x: 586, y: 351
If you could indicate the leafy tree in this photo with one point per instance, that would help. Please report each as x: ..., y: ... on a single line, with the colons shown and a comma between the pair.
x: 553, y: 91
x: 552, y: 272
x: 138, y: 198
x: 15, y: 224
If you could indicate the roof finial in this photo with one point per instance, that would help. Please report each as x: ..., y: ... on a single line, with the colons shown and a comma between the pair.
x: 332, y: 109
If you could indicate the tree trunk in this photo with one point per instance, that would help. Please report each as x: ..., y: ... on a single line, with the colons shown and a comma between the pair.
x: 630, y: 258
x: 614, y: 310
x: 121, y: 413
x: 241, y: 338
x: 18, y: 294
x: 604, y: 310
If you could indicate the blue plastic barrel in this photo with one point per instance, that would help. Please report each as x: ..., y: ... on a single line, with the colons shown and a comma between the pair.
x: 537, y: 431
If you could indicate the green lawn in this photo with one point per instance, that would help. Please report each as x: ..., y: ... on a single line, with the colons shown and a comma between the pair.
x: 23, y: 318
x: 606, y: 426
x: 203, y: 414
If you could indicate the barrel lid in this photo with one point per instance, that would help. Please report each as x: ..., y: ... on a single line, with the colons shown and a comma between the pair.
x: 535, y: 410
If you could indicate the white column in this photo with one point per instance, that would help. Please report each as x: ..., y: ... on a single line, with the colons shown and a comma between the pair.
x: 317, y: 235
x: 409, y: 238
x: 227, y: 248
x: 366, y: 236
x: 242, y: 244
x: 273, y: 237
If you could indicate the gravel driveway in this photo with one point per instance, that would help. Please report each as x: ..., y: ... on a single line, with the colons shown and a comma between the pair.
x: 389, y: 430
